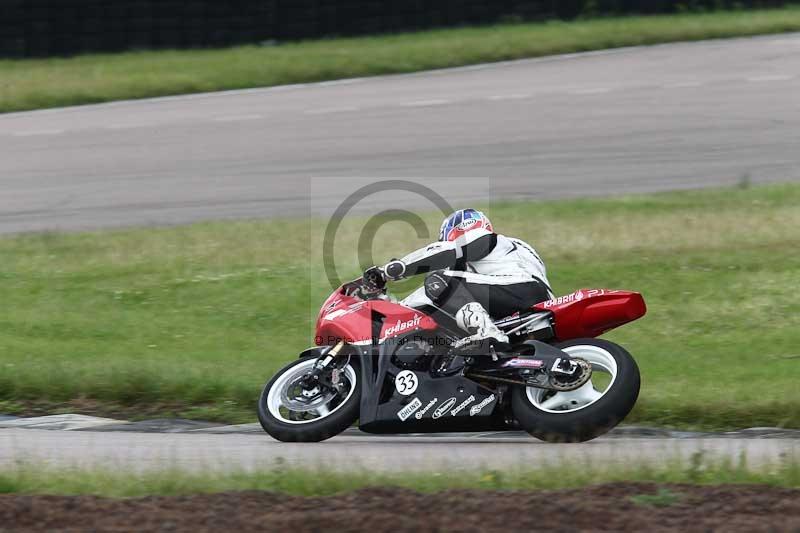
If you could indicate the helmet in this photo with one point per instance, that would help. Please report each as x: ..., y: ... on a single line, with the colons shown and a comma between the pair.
x: 462, y: 221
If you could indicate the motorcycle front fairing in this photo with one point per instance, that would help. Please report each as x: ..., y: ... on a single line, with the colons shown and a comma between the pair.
x: 374, y: 329
x: 353, y: 320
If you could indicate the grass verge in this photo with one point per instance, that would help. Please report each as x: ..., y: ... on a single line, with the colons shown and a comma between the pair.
x: 191, y: 321
x: 40, y: 83
x: 36, y: 480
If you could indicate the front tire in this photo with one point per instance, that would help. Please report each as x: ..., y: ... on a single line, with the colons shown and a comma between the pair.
x: 585, y: 413
x: 286, y: 414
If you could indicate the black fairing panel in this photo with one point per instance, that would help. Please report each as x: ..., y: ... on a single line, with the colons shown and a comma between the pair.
x: 439, y: 404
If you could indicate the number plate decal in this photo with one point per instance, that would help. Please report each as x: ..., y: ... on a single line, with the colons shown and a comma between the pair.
x: 406, y: 382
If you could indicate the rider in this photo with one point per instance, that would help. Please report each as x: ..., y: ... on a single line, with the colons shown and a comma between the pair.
x: 473, y: 273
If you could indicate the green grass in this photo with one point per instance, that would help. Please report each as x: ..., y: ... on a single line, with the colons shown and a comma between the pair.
x: 190, y: 321
x: 35, y: 480
x: 32, y: 84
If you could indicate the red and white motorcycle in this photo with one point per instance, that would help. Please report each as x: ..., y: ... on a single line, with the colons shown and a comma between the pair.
x: 397, y: 369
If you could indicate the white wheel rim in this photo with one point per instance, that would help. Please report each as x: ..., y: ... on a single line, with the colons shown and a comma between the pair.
x: 584, y: 396
x: 281, y: 409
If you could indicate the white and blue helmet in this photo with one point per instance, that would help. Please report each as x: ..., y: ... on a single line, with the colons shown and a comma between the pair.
x: 461, y: 222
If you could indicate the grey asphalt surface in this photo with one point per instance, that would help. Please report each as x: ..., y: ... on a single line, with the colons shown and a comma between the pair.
x: 635, y: 120
x: 246, y: 452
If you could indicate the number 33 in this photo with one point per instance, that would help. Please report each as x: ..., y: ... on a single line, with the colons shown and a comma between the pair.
x: 406, y: 382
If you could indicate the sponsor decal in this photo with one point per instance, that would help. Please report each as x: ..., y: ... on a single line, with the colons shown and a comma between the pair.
x: 406, y: 382
x: 569, y: 298
x: 578, y: 296
x: 402, y: 326
x: 333, y: 304
x: 444, y: 407
x: 425, y: 409
x: 409, y: 409
x: 599, y: 292
x: 463, y: 405
x: 467, y: 223
x: 524, y: 363
x: 352, y: 308
x: 335, y: 314
x: 477, y: 408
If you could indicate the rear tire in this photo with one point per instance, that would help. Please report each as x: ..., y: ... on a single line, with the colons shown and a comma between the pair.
x: 341, y: 416
x: 597, y: 416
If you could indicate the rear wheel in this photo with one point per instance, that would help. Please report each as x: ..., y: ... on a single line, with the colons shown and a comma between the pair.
x: 291, y: 411
x: 588, y: 411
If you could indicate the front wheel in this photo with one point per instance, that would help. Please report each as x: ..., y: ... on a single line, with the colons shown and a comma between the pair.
x: 291, y: 411
x: 588, y: 411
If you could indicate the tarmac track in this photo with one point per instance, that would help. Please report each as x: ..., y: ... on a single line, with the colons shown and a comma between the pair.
x: 632, y: 120
x: 91, y: 444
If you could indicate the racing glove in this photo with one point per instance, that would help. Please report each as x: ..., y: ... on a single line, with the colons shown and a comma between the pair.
x: 374, y: 279
x: 394, y: 270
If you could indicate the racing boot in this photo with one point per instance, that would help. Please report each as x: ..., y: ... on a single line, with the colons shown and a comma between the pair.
x: 485, y: 335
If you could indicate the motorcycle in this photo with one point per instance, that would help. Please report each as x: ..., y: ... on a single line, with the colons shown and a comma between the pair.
x: 398, y: 369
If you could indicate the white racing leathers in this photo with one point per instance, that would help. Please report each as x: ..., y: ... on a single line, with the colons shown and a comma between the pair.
x: 502, y: 274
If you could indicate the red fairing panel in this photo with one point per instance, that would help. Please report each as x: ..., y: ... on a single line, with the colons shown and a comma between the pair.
x: 350, y: 319
x: 592, y: 312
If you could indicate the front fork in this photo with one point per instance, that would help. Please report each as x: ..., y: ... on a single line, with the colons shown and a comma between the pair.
x: 326, y: 373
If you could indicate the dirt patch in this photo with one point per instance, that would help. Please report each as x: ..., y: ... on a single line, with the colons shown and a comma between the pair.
x: 610, y: 507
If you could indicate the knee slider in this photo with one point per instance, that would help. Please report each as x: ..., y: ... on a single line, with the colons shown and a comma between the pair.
x: 436, y: 286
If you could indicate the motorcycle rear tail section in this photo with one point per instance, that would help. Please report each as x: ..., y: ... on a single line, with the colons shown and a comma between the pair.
x: 592, y: 312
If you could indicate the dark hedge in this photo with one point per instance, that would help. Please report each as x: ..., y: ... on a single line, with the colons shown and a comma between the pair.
x: 31, y: 28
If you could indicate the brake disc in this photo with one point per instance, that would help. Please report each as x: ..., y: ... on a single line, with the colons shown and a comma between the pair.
x: 573, y: 383
x: 307, y: 400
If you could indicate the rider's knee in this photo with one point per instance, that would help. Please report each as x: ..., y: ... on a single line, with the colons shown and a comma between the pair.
x: 436, y: 286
